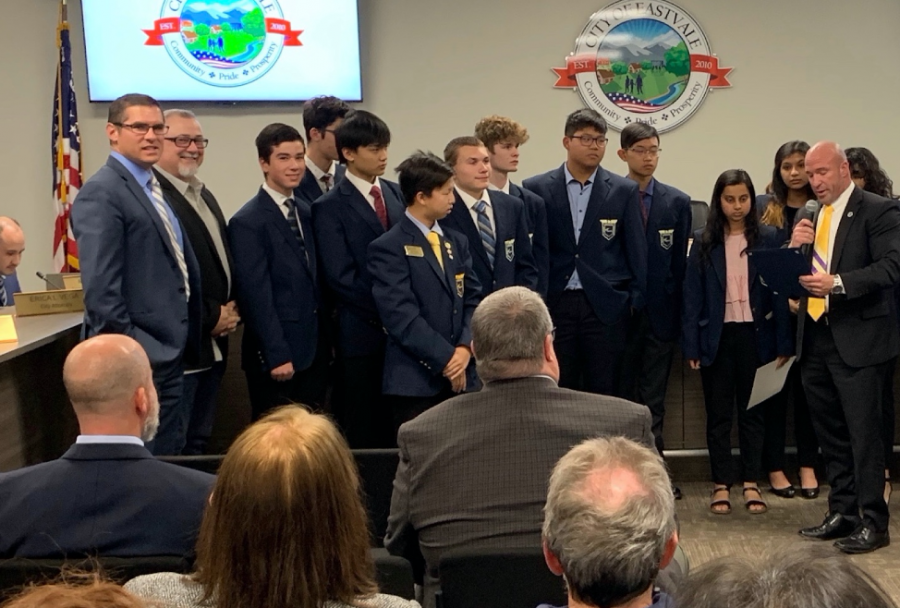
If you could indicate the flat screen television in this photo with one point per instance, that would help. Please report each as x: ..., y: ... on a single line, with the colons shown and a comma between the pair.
x: 222, y: 50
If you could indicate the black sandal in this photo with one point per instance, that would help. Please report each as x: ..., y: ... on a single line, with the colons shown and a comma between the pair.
x: 721, y: 501
x: 753, y: 502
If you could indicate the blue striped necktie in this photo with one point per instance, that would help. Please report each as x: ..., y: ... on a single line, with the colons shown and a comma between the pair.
x: 4, y: 298
x: 294, y: 222
x: 486, y: 231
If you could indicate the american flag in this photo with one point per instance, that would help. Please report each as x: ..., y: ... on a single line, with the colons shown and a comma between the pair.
x: 632, y: 103
x: 67, y: 175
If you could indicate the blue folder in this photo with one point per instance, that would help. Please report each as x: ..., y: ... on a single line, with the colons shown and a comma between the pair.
x: 781, y: 270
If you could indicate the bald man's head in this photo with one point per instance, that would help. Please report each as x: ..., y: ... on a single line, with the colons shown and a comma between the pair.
x: 12, y: 245
x: 110, y: 384
x: 828, y: 171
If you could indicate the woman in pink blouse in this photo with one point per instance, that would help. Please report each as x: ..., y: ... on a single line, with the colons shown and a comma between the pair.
x: 732, y: 324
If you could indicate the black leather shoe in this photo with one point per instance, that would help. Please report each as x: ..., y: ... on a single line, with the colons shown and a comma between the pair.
x: 834, y: 526
x: 677, y: 492
x: 809, y: 493
x: 788, y: 492
x: 864, y: 540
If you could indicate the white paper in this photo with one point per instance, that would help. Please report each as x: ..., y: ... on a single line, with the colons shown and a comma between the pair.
x: 769, y: 381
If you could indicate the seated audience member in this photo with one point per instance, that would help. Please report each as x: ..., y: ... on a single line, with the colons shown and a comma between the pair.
x: 787, y: 577
x: 473, y: 470
x: 12, y: 246
x: 609, y: 524
x: 286, y: 526
x: 867, y: 174
x: 107, y: 495
x: 91, y: 592
x: 425, y: 290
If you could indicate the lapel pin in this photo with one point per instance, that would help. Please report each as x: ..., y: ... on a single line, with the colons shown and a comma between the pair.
x: 849, y: 214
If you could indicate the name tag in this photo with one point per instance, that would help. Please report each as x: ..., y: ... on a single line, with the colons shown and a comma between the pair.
x: 49, y: 302
x: 413, y: 251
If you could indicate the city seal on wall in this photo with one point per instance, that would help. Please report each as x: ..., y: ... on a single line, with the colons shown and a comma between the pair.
x: 224, y: 43
x: 642, y: 62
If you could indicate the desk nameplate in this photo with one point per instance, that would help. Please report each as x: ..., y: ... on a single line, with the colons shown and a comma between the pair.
x: 30, y: 303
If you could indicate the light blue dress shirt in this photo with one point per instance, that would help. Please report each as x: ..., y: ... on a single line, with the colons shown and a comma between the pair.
x: 143, y: 177
x: 425, y: 229
x: 579, y: 195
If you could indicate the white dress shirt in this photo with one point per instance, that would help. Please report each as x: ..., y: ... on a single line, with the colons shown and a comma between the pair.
x: 365, y: 188
x: 504, y: 189
x: 119, y: 439
x: 839, y: 206
x: 470, y: 202
x: 318, y: 173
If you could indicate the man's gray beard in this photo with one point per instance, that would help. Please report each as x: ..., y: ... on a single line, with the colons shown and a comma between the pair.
x: 187, y: 172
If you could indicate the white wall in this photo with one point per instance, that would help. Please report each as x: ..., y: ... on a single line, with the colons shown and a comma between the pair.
x: 807, y: 69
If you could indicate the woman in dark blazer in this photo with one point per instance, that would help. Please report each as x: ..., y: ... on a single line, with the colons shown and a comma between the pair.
x: 732, y: 324
x: 790, y: 191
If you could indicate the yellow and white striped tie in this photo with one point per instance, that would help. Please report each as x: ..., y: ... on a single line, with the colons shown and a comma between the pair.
x: 160, y: 204
x: 816, y: 306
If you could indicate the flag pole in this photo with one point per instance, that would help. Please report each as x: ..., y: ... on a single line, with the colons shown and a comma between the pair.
x: 63, y: 24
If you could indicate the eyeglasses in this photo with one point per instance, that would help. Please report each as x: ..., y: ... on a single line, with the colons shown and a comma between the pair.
x: 141, y: 128
x: 589, y: 140
x: 328, y: 130
x: 184, y: 141
x: 653, y: 152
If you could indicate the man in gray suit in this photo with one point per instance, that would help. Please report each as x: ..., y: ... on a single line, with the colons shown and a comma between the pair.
x: 473, y: 471
x: 138, y: 269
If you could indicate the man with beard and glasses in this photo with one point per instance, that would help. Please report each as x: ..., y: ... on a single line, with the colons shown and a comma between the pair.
x: 204, y: 225
x: 107, y: 495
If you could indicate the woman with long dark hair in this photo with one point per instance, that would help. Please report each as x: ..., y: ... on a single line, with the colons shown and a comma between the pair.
x: 732, y: 324
x: 790, y: 191
x: 866, y: 173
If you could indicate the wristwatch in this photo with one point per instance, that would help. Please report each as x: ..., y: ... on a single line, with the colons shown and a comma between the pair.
x: 838, y: 288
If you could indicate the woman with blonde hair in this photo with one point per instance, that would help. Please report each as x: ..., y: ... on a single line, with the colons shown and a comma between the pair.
x: 285, y: 527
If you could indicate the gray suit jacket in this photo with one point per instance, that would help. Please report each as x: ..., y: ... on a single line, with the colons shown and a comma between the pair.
x: 474, y: 470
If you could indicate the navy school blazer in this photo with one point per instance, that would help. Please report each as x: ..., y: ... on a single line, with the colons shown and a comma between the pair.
x: 309, y: 188
x: 426, y: 311
x: 513, y: 259
x: 704, y: 305
x: 610, y: 255
x: 344, y: 224
x: 537, y: 232
x: 667, y: 233
x: 276, y: 285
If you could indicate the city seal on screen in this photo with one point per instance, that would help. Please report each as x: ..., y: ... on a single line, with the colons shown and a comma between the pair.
x: 228, y: 43
x: 642, y: 62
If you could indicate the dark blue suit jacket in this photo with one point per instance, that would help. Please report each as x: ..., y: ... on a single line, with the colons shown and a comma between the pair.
x: 426, y: 311
x: 513, y: 261
x: 101, y: 499
x: 309, y: 188
x: 611, y: 261
x: 344, y: 225
x: 537, y: 231
x: 277, y: 287
x: 12, y: 286
x: 668, y: 231
x: 704, y: 305
x: 132, y: 283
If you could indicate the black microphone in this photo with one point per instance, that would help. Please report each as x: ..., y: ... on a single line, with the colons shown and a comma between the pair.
x: 807, y: 212
x: 44, y: 278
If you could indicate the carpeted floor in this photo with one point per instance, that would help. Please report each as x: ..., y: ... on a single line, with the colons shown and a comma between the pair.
x: 705, y: 536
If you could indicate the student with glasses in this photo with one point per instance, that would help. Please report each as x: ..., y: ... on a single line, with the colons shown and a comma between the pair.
x: 598, y: 257
x: 666, y: 215
x: 139, y: 272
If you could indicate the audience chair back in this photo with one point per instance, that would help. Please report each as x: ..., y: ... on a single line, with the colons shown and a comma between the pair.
x: 17, y: 572
x: 206, y: 464
x: 699, y: 213
x: 499, y: 578
x: 394, y: 574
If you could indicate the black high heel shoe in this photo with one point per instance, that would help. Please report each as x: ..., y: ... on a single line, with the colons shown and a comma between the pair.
x: 809, y: 493
x: 788, y: 492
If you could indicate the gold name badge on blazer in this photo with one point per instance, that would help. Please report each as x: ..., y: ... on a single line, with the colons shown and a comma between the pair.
x: 460, y: 284
x: 414, y: 251
x: 30, y: 303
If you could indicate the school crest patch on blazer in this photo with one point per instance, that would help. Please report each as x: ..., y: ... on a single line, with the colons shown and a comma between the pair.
x: 666, y: 238
x: 460, y: 284
x: 608, y: 228
x: 510, y: 245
